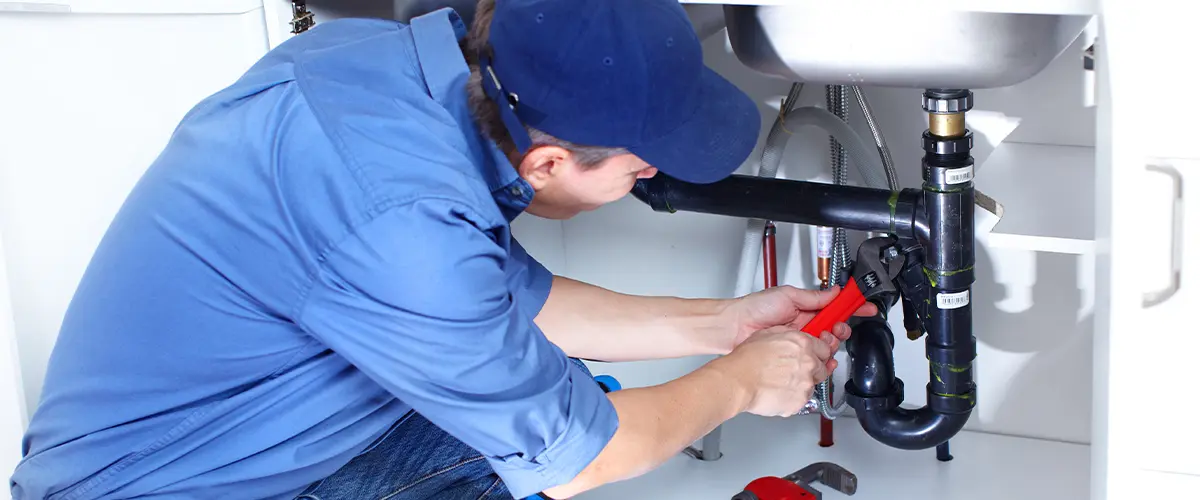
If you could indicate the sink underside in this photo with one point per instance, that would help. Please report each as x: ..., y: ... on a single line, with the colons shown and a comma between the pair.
x: 898, y: 47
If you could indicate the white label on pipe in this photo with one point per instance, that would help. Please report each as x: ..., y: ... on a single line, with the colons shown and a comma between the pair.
x: 953, y: 300
x: 824, y: 242
x: 960, y: 175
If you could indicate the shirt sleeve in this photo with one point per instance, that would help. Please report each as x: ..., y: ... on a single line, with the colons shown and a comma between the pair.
x: 529, y: 278
x: 420, y: 299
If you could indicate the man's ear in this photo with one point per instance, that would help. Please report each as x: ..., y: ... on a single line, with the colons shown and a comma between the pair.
x: 541, y: 164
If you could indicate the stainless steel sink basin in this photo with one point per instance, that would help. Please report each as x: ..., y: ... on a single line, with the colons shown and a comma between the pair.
x: 897, y: 46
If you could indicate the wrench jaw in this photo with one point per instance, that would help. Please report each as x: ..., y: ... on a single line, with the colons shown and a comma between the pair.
x: 877, y: 265
x: 914, y: 289
x: 828, y: 474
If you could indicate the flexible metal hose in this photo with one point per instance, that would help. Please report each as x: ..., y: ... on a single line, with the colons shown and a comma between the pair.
x: 821, y: 394
x: 889, y: 168
x: 835, y: 102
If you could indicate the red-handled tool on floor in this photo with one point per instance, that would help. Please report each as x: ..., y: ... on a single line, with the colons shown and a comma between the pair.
x: 797, y: 485
x: 872, y: 276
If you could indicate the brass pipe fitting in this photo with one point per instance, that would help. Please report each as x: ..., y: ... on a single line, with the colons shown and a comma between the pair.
x: 948, y: 124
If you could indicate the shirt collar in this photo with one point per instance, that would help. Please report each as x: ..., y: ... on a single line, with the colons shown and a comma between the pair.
x: 436, y: 36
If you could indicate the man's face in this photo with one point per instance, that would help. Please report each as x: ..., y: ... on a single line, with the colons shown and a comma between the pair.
x: 563, y: 188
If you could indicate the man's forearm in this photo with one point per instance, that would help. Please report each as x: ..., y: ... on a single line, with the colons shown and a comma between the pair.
x: 590, y: 322
x: 660, y: 421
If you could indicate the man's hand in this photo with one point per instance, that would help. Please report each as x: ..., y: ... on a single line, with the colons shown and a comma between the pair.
x: 778, y: 368
x: 772, y: 373
x: 786, y: 306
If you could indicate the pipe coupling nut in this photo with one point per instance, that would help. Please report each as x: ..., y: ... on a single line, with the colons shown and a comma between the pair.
x: 947, y: 145
x: 942, y: 103
x: 892, y: 399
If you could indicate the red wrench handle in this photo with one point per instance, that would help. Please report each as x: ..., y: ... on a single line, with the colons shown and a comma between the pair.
x: 843, y: 306
x: 774, y: 488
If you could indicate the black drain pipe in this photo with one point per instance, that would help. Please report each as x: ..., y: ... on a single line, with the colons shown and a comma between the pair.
x: 939, y: 294
x: 780, y: 200
x: 939, y: 219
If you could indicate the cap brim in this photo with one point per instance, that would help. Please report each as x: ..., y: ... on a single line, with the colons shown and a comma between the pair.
x: 714, y: 142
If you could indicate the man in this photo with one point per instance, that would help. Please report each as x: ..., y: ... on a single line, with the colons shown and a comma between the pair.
x: 314, y: 290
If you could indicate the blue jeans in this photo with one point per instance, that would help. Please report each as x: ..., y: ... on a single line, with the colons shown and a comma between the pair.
x: 414, y: 460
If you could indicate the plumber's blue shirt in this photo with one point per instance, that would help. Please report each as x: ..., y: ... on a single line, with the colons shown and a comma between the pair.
x: 321, y: 247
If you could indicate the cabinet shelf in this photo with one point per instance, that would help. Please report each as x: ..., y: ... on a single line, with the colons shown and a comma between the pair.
x: 1048, y: 194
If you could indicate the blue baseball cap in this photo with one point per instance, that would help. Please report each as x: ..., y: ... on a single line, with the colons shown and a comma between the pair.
x: 617, y: 73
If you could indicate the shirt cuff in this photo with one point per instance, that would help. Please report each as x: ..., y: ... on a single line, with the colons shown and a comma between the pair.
x: 592, y: 424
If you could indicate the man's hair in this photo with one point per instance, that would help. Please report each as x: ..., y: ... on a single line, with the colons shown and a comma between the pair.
x: 487, y: 112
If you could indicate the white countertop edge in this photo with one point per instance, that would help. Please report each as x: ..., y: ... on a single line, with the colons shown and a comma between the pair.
x: 132, y: 6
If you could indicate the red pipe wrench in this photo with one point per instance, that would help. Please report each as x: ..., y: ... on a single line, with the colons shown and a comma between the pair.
x: 798, y: 485
x: 878, y: 264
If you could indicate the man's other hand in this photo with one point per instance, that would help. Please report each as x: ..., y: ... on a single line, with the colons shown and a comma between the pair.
x: 778, y: 368
x: 786, y: 306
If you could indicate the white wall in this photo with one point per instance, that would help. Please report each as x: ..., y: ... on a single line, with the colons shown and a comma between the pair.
x: 89, y: 100
x: 1032, y: 308
x: 12, y: 401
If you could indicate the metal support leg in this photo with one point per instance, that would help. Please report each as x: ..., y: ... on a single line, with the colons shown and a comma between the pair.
x: 710, y: 447
x: 943, y: 452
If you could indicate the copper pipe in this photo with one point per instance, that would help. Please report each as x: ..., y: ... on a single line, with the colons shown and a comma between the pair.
x: 824, y: 263
x: 827, y: 426
x: 770, y: 268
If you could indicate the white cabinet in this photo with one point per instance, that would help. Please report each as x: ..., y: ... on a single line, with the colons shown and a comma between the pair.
x: 1169, y: 446
x: 90, y: 93
x: 12, y: 399
x: 1144, y: 441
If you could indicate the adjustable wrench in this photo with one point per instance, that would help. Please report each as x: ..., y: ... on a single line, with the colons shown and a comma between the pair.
x: 872, y: 278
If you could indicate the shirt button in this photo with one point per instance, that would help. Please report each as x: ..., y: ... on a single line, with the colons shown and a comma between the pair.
x: 516, y: 191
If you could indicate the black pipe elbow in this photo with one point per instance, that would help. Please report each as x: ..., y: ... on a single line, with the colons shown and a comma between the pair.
x: 875, y: 394
x: 912, y: 429
x: 872, y: 369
